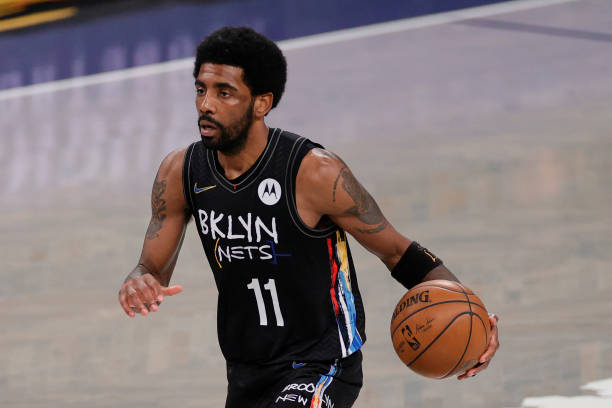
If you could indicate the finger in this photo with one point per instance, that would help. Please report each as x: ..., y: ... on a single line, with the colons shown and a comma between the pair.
x: 147, y: 287
x: 489, y: 352
x: 140, y: 310
x: 147, y: 294
x: 151, y: 291
x: 135, y: 300
x: 148, y: 307
x: 124, y: 297
x: 473, y: 371
x: 477, y: 368
x: 136, y: 310
x: 124, y: 304
x: 172, y: 290
x: 493, y: 341
x: 154, y: 285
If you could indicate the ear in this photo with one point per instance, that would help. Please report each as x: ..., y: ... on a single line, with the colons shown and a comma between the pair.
x: 262, y: 105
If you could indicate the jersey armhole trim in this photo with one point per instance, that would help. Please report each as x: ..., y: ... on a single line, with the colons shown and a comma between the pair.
x: 290, y: 187
x: 187, y: 177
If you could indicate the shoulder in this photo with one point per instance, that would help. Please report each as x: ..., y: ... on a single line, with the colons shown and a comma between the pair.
x: 319, y: 166
x: 169, y: 180
x: 318, y: 181
x: 172, y: 164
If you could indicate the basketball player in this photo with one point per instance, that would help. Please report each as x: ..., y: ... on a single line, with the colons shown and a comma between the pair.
x: 272, y: 210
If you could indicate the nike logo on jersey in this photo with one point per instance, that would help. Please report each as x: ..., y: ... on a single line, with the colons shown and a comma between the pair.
x: 199, y: 190
x: 298, y: 365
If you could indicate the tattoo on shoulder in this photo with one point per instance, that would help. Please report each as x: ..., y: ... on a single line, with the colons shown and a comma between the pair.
x: 158, y: 207
x: 365, y: 208
x: 342, y: 170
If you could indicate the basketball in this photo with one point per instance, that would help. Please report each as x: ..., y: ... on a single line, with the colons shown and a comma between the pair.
x: 440, y: 328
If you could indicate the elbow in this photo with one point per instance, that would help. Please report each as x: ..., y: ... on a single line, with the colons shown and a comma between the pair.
x: 393, y: 257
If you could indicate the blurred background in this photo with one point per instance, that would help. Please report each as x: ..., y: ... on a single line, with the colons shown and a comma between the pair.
x: 482, y: 128
x: 45, y: 40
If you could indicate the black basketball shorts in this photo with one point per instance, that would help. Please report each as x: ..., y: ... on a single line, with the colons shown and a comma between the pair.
x: 295, y: 384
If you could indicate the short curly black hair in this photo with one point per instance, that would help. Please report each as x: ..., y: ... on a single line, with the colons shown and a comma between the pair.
x: 263, y: 63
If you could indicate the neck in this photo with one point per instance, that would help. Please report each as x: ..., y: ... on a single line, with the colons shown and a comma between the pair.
x: 237, y: 163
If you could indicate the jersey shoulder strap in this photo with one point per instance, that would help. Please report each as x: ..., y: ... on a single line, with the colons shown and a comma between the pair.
x: 301, y: 147
x: 187, y: 175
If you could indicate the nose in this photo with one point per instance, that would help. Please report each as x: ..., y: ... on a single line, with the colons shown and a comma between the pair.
x: 206, y: 104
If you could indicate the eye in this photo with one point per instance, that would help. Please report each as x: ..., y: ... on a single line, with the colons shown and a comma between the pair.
x: 225, y: 94
x: 199, y: 91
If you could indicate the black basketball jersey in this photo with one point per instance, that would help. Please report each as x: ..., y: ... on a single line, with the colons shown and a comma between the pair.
x: 287, y: 292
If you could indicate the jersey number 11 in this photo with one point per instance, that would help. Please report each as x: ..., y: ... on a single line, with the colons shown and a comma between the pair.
x: 261, y: 307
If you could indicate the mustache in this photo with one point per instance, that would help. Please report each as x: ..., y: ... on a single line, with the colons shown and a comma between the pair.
x: 211, y: 120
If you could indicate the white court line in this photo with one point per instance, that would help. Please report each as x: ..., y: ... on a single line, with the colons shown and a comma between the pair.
x: 602, y: 399
x: 288, y: 45
x: 416, y: 22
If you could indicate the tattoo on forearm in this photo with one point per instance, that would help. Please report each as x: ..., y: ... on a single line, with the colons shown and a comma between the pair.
x: 365, y: 208
x: 158, y: 207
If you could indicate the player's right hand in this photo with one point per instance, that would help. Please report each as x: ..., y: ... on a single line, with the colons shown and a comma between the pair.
x: 144, y: 294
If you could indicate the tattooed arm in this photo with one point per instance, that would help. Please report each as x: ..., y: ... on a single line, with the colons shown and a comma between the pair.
x: 325, y: 186
x: 145, y: 287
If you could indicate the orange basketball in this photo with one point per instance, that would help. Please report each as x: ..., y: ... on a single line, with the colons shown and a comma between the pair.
x: 440, y: 328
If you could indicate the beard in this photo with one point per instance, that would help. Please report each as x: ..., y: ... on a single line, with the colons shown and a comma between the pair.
x: 232, y: 138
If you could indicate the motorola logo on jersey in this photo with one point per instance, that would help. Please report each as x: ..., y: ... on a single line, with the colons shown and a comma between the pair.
x: 269, y: 191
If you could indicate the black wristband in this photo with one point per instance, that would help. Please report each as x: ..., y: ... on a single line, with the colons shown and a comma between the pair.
x: 414, y: 265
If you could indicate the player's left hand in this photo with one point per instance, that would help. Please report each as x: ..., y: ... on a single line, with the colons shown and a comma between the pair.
x: 485, y: 359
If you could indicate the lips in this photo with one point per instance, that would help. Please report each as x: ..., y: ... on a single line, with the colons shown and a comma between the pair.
x: 207, y: 129
x: 208, y: 124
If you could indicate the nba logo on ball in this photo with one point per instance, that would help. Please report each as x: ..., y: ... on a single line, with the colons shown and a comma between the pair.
x: 269, y: 191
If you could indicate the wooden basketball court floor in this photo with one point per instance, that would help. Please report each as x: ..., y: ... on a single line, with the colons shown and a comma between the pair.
x: 488, y: 140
